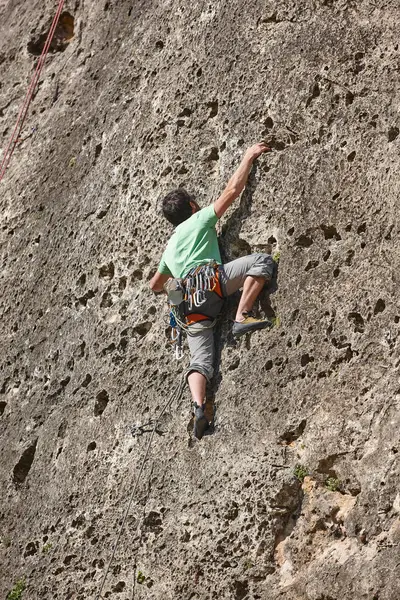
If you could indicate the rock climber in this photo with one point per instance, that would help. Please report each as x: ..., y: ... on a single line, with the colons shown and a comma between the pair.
x: 194, y: 244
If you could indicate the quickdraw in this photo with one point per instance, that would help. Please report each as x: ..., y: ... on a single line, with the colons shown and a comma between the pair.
x: 176, y: 334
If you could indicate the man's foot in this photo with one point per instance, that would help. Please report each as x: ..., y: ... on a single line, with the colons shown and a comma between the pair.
x: 249, y: 324
x: 200, y: 424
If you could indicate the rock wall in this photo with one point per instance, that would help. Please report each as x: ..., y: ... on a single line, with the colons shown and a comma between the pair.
x: 295, y: 496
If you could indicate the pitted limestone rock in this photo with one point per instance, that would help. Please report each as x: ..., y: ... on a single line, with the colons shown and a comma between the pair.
x: 145, y: 97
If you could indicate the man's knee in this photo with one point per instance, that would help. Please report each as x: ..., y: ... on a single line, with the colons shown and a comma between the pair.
x: 263, y: 266
x: 203, y: 368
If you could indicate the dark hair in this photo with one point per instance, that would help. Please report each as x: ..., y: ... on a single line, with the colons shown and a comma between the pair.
x: 176, y: 206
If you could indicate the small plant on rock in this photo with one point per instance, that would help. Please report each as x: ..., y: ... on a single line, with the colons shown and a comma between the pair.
x: 248, y: 564
x: 276, y: 321
x: 300, y: 471
x: 276, y: 257
x: 140, y: 577
x: 332, y: 484
x: 47, y: 547
x: 16, y: 592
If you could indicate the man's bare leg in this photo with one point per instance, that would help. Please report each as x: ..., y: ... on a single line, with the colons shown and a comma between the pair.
x: 197, y: 384
x: 251, y: 289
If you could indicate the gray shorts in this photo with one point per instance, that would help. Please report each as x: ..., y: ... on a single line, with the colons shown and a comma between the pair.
x: 200, y: 336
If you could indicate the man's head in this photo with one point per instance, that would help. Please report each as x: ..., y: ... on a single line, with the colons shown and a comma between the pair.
x: 178, y: 206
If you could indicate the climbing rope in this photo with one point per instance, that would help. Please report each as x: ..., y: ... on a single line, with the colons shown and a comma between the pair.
x: 175, y: 395
x: 9, y: 151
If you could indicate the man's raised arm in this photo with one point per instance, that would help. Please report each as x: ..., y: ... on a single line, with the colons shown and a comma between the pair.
x: 238, y: 180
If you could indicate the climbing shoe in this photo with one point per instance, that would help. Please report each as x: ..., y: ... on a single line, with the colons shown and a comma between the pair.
x: 249, y: 324
x: 200, y: 423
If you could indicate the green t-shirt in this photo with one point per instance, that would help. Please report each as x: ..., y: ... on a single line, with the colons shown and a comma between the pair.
x: 194, y: 242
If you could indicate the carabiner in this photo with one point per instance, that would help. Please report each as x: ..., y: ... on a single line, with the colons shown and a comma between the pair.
x: 179, y: 354
x: 199, y: 298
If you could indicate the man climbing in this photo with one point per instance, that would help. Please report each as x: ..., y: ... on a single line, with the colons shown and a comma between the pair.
x: 190, y: 254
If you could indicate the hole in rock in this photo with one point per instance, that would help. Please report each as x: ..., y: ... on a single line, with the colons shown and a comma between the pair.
x: 159, y: 45
x: 275, y: 144
x: 213, y: 155
x: 98, y: 151
x: 86, y: 381
x: 186, y: 112
x: 330, y: 232
x: 290, y: 231
x: 349, y: 99
x: 268, y: 365
x: 290, y: 436
x: 336, y: 272
x: 109, y: 349
x: 107, y: 271
x: 315, y: 92
x: 294, y: 315
x: 69, y: 558
x: 241, y: 589
x: 106, y: 300
x: 31, y: 549
x: 123, y: 343
x: 63, y: 34
x: 24, y: 464
x: 268, y: 123
x: 349, y: 258
x: 143, y: 328
x: 362, y: 228
x: 351, y: 156
x: 234, y: 364
x: 271, y: 240
x: 153, y: 521
x: 213, y: 106
x: 358, y: 321
x: 2, y: 407
x: 312, y: 264
x: 102, y: 399
x: 379, y: 306
x: 83, y: 300
x: 303, y: 241
x: 306, y: 359
x: 62, y: 429
x: 388, y: 234
x: 393, y: 133
x: 91, y: 446
x: 102, y: 213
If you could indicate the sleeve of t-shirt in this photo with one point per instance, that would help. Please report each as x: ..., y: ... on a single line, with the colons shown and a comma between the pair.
x: 163, y: 268
x: 207, y: 216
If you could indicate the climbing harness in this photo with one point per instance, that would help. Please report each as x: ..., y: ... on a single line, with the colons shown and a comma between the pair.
x: 175, y: 395
x: 16, y: 134
x: 198, y: 281
x: 190, y: 293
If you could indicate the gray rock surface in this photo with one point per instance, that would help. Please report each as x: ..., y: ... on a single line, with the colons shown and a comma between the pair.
x: 138, y: 98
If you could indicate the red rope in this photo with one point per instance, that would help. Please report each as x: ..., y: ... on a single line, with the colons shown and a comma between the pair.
x: 29, y: 95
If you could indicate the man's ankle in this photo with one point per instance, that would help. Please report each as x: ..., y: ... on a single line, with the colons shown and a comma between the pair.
x: 242, y: 316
